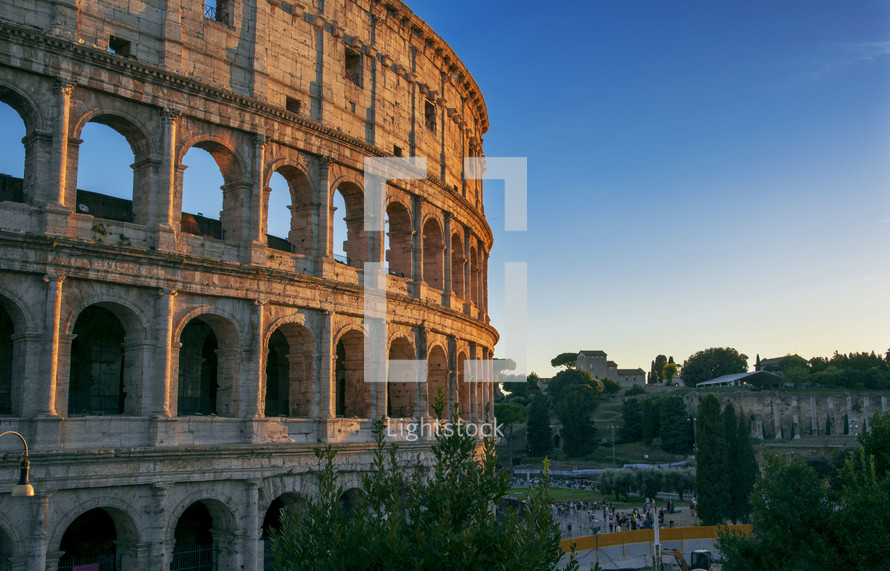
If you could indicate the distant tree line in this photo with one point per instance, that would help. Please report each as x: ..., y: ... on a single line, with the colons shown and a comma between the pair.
x: 847, y: 371
x: 665, y: 418
x: 647, y: 482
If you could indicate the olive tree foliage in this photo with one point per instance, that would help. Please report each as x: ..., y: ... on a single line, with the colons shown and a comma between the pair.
x: 405, y: 520
x: 712, y: 363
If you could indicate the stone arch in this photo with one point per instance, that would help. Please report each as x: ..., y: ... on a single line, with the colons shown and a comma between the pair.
x: 29, y: 112
x: 105, y: 355
x: 458, y: 260
x: 399, y: 234
x: 272, y: 521
x: 352, y: 395
x: 202, y: 528
x: 135, y: 204
x: 355, y: 242
x: 10, y: 544
x: 401, y: 392
x: 433, y: 254
x: 350, y: 499
x: 231, y: 167
x: 13, y: 325
x: 437, y: 377
x: 209, y: 366
x: 288, y: 386
x: 300, y: 236
x: 99, y: 532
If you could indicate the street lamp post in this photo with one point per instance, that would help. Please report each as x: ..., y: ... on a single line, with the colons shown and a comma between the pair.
x: 23, y: 488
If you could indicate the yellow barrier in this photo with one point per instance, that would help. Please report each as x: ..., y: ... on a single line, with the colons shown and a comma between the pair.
x: 648, y: 536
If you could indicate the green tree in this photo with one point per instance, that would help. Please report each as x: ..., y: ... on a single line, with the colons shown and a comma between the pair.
x: 631, y: 428
x: 569, y: 378
x: 509, y: 414
x: 669, y: 371
x: 712, y: 466
x: 658, y: 367
x: 680, y: 481
x: 745, y: 472
x: 610, y: 387
x: 650, y: 420
x: 408, y: 521
x: 566, y: 360
x: 649, y: 482
x: 574, y: 410
x: 635, y: 390
x: 624, y: 483
x: 540, y: 438
x: 712, y: 363
x: 675, y: 425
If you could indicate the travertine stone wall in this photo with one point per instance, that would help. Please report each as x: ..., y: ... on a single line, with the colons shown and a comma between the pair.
x: 304, y: 89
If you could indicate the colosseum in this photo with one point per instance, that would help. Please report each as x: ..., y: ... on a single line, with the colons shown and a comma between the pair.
x: 172, y: 371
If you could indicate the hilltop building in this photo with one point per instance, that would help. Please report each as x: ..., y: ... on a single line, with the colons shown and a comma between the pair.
x: 597, y: 364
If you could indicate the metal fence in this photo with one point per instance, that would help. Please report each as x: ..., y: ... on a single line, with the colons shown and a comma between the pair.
x: 197, y: 557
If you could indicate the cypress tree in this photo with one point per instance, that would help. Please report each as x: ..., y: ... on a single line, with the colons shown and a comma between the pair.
x: 747, y: 469
x: 540, y: 440
x: 712, y: 466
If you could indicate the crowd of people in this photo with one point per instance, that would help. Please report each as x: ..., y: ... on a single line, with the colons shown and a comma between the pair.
x: 591, y: 517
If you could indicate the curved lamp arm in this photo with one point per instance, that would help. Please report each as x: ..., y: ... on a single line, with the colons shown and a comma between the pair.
x: 23, y: 488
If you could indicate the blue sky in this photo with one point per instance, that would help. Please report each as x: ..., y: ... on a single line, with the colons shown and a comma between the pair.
x: 700, y: 173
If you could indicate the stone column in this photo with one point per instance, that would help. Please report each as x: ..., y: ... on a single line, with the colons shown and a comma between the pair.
x: 321, y: 244
x: 36, y: 545
x: 416, y: 284
x: 325, y: 369
x: 169, y: 185
x: 256, y: 359
x: 422, y: 406
x: 156, y: 535
x: 446, y: 274
x: 54, y: 197
x: 163, y: 384
x: 46, y: 389
x: 256, y: 209
x: 253, y: 554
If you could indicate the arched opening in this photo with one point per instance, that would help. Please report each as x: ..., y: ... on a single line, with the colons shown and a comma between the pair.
x: 209, y: 360
x: 400, y: 392
x: 437, y: 380
x: 91, y: 542
x: 433, y: 254
x: 290, y: 211
x: 210, y: 203
x: 463, y: 388
x: 457, y: 267
x: 7, y: 330
x: 474, y: 277
x: 272, y: 523
x: 350, y: 244
x: 398, y: 240
x: 96, y: 381
x: 113, y: 171
x: 289, y: 372
x: 12, y: 159
x: 350, y: 500
x: 353, y: 394
x: 277, y: 376
x: 194, y: 548
x: 198, y: 370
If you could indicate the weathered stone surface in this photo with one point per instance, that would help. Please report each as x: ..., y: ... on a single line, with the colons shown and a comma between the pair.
x: 157, y: 360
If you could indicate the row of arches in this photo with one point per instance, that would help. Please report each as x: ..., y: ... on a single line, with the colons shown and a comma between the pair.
x: 108, y: 344
x: 225, y: 188
x: 204, y: 537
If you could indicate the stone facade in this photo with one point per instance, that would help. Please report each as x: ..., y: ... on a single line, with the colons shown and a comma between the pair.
x: 172, y: 373
x: 597, y: 364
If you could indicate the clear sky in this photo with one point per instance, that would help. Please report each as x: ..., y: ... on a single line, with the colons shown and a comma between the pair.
x: 700, y: 173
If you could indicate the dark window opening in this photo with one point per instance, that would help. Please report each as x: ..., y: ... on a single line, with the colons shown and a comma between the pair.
x: 96, y: 377
x: 430, y: 116
x: 89, y: 542
x: 293, y: 105
x: 353, y: 68
x: 397, y: 150
x: 198, y: 370
x: 277, y: 376
x: 119, y: 46
x: 193, y: 541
